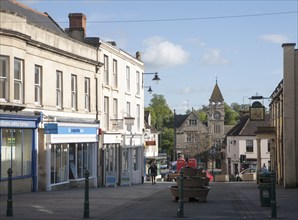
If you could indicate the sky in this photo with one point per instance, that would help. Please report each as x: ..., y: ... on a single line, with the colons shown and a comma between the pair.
x: 193, y: 43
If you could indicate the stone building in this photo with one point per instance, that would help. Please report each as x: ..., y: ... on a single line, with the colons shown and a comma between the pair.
x: 194, y: 138
x: 283, y: 113
x: 63, y: 110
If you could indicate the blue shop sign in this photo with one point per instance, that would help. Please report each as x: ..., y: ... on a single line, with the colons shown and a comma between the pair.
x: 53, y: 128
x: 76, y: 130
x: 17, y: 124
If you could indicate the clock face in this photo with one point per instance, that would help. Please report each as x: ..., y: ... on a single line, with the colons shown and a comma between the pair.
x: 216, y: 115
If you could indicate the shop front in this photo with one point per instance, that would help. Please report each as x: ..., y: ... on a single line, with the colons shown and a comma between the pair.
x: 18, y: 135
x: 71, y: 150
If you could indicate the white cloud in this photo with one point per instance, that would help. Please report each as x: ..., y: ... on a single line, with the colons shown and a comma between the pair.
x: 162, y: 53
x: 275, y: 38
x: 196, y: 42
x: 213, y: 56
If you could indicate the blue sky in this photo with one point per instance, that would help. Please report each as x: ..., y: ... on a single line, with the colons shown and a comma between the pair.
x: 191, y: 43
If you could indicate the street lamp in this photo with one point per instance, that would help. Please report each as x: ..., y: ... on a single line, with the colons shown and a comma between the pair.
x: 155, y: 78
x: 149, y: 89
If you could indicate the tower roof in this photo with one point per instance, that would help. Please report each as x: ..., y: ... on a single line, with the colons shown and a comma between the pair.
x: 216, y: 95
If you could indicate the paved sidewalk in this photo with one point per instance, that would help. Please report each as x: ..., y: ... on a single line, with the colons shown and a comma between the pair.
x: 235, y: 200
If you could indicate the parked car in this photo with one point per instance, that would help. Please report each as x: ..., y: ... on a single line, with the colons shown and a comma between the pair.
x: 247, y: 175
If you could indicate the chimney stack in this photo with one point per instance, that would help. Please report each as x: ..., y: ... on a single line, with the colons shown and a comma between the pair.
x: 77, y: 25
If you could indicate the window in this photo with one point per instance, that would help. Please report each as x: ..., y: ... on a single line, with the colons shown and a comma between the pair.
x: 188, y: 137
x: 111, y: 157
x: 268, y: 146
x: 129, y: 127
x: 127, y: 79
x: 115, y: 108
x: 216, y: 129
x: 191, y: 137
x: 74, y: 92
x: 87, y: 94
x: 4, y: 78
x: 106, y: 113
x: 80, y: 159
x: 59, y: 89
x: 249, y: 146
x: 138, y: 117
x: 37, y: 85
x: 18, y: 80
x: 192, y: 122
x: 115, y: 73
x: 59, y: 163
x: 135, y: 158
x: 106, y: 70
x: 16, y: 151
x: 138, y: 83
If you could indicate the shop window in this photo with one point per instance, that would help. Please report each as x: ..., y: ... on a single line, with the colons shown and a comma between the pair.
x: 16, y: 151
x: 80, y: 159
x: 59, y: 161
x: 135, y: 159
x: 111, y: 158
x: 125, y: 160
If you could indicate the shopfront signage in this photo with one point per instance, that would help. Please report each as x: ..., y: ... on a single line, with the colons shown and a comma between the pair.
x: 17, y: 124
x: 76, y: 130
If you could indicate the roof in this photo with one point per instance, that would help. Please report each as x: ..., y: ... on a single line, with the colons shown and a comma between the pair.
x: 216, y: 95
x: 246, y: 127
x: 179, y: 119
x: 37, y: 18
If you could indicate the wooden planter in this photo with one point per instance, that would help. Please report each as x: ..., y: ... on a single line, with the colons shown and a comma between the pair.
x: 193, y: 182
x: 191, y: 193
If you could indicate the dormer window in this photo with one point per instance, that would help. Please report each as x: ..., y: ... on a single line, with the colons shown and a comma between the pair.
x: 192, y: 122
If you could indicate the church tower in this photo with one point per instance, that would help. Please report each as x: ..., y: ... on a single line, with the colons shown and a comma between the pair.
x: 216, y: 114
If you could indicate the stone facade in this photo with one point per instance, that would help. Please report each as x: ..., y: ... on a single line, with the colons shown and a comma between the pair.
x: 284, y: 111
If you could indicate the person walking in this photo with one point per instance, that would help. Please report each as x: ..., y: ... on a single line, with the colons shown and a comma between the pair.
x: 152, y: 170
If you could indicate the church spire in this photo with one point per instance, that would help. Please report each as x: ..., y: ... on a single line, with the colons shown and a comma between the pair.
x: 216, y: 95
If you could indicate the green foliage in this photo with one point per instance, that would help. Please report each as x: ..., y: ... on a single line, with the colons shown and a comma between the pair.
x: 231, y: 116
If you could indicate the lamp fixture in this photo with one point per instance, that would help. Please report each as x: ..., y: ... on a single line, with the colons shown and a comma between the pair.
x: 149, y: 89
x: 155, y: 78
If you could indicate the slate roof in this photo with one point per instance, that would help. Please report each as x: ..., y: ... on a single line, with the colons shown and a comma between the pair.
x: 216, y: 95
x: 39, y: 19
x: 246, y: 127
x: 179, y: 119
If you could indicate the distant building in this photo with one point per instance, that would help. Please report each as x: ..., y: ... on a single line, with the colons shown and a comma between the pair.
x: 194, y: 138
x: 241, y: 146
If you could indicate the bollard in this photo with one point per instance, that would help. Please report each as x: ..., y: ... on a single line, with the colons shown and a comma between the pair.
x: 180, y: 211
x: 273, y: 194
x: 9, y: 194
x: 86, y: 202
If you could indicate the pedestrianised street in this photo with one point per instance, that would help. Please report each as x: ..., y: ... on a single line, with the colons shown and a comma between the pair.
x: 231, y: 200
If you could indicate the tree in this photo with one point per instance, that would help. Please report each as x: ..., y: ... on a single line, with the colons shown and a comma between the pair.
x: 162, y: 118
x: 231, y: 116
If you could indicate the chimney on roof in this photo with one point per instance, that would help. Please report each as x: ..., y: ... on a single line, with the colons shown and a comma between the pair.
x: 77, y: 25
x: 138, y: 55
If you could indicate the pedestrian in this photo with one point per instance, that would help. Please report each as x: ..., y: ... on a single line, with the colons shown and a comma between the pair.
x: 152, y: 170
